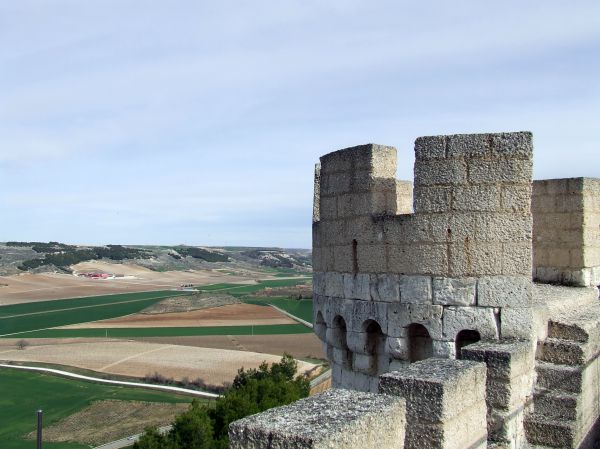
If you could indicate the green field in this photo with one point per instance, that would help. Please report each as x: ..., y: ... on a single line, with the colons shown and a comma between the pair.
x: 248, y: 289
x: 23, y: 393
x: 272, y: 329
x: 45, y: 314
x: 301, y: 308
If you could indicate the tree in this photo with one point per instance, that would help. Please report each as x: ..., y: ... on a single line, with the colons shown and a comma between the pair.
x: 192, y: 429
x: 152, y: 439
x: 22, y: 344
x: 252, y: 391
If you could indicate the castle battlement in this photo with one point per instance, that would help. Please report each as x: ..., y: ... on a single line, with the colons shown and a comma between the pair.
x: 427, y: 292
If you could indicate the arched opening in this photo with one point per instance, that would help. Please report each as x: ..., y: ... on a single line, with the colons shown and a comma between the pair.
x: 420, y: 344
x: 465, y: 338
x: 338, y: 339
x: 374, y: 345
x: 320, y: 326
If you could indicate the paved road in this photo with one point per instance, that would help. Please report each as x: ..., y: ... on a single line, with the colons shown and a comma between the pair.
x: 125, y: 442
x: 113, y: 382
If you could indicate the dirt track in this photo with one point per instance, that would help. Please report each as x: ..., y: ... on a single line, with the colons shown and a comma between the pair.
x: 230, y: 315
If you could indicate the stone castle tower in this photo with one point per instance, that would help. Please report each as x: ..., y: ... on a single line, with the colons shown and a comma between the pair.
x: 393, y: 285
x: 427, y: 301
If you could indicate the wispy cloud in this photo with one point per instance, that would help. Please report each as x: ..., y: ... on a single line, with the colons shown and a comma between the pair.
x: 207, y: 111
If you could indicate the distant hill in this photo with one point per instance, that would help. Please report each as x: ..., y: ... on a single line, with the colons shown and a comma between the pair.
x: 34, y: 257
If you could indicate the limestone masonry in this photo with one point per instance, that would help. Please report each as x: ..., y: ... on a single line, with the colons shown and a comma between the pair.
x: 425, y: 300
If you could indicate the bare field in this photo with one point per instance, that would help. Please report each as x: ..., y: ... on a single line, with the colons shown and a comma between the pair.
x: 137, y: 359
x: 45, y: 286
x: 230, y: 315
x: 119, y: 419
x: 300, y: 346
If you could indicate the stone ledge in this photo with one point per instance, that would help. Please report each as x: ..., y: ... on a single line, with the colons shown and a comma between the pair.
x: 338, y: 418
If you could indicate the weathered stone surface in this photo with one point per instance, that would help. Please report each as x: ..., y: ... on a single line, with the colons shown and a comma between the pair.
x: 430, y: 147
x: 334, y: 284
x: 445, y: 402
x: 436, y: 388
x: 454, y: 292
x: 480, y: 319
x: 518, y: 322
x: 364, y: 311
x: 504, y: 291
x: 357, y: 286
x: 415, y: 289
x: 444, y: 349
x: 335, y: 419
x: 397, y: 347
x: 400, y: 316
x: 504, y: 360
x: 385, y: 287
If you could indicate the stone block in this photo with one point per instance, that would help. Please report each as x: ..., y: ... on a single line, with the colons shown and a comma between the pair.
x: 517, y: 259
x: 478, y: 198
x: 468, y: 430
x: 318, y: 283
x: 437, y: 390
x: 480, y: 319
x: 474, y: 259
x: 385, y: 287
x: 326, y: 260
x: 444, y: 349
x: 420, y: 259
x: 504, y: 291
x: 372, y: 258
x: 401, y: 229
x: 507, y: 428
x: 501, y: 227
x: 357, y: 286
x: 343, y: 259
x: 400, y: 316
x: 504, y: 360
x: 397, y: 347
x: 364, y: 311
x: 454, y: 292
x: 468, y: 145
x: 516, y: 198
x: 432, y: 199
x: 362, y: 229
x: 337, y: 418
x: 328, y: 208
x: 430, y: 147
x: 335, y: 184
x: 415, y: 289
x: 510, y: 394
x: 340, y: 356
x: 440, y: 172
x: 384, y: 161
x: 516, y: 144
x: 335, y: 307
x: 334, y: 284
x: 358, y: 342
x: 501, y: 171
x: 364, y: 363
x: 518, y: 322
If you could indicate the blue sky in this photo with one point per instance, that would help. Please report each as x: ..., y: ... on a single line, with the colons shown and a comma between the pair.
x: 155, y: 122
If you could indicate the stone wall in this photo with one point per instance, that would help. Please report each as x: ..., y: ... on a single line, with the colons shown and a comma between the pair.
x: 424, y: 295
x: 392, y: 286
x: 566, y: 244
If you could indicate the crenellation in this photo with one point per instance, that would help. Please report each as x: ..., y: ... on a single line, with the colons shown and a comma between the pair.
x: 426, y: 292
x: 566, y: 244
